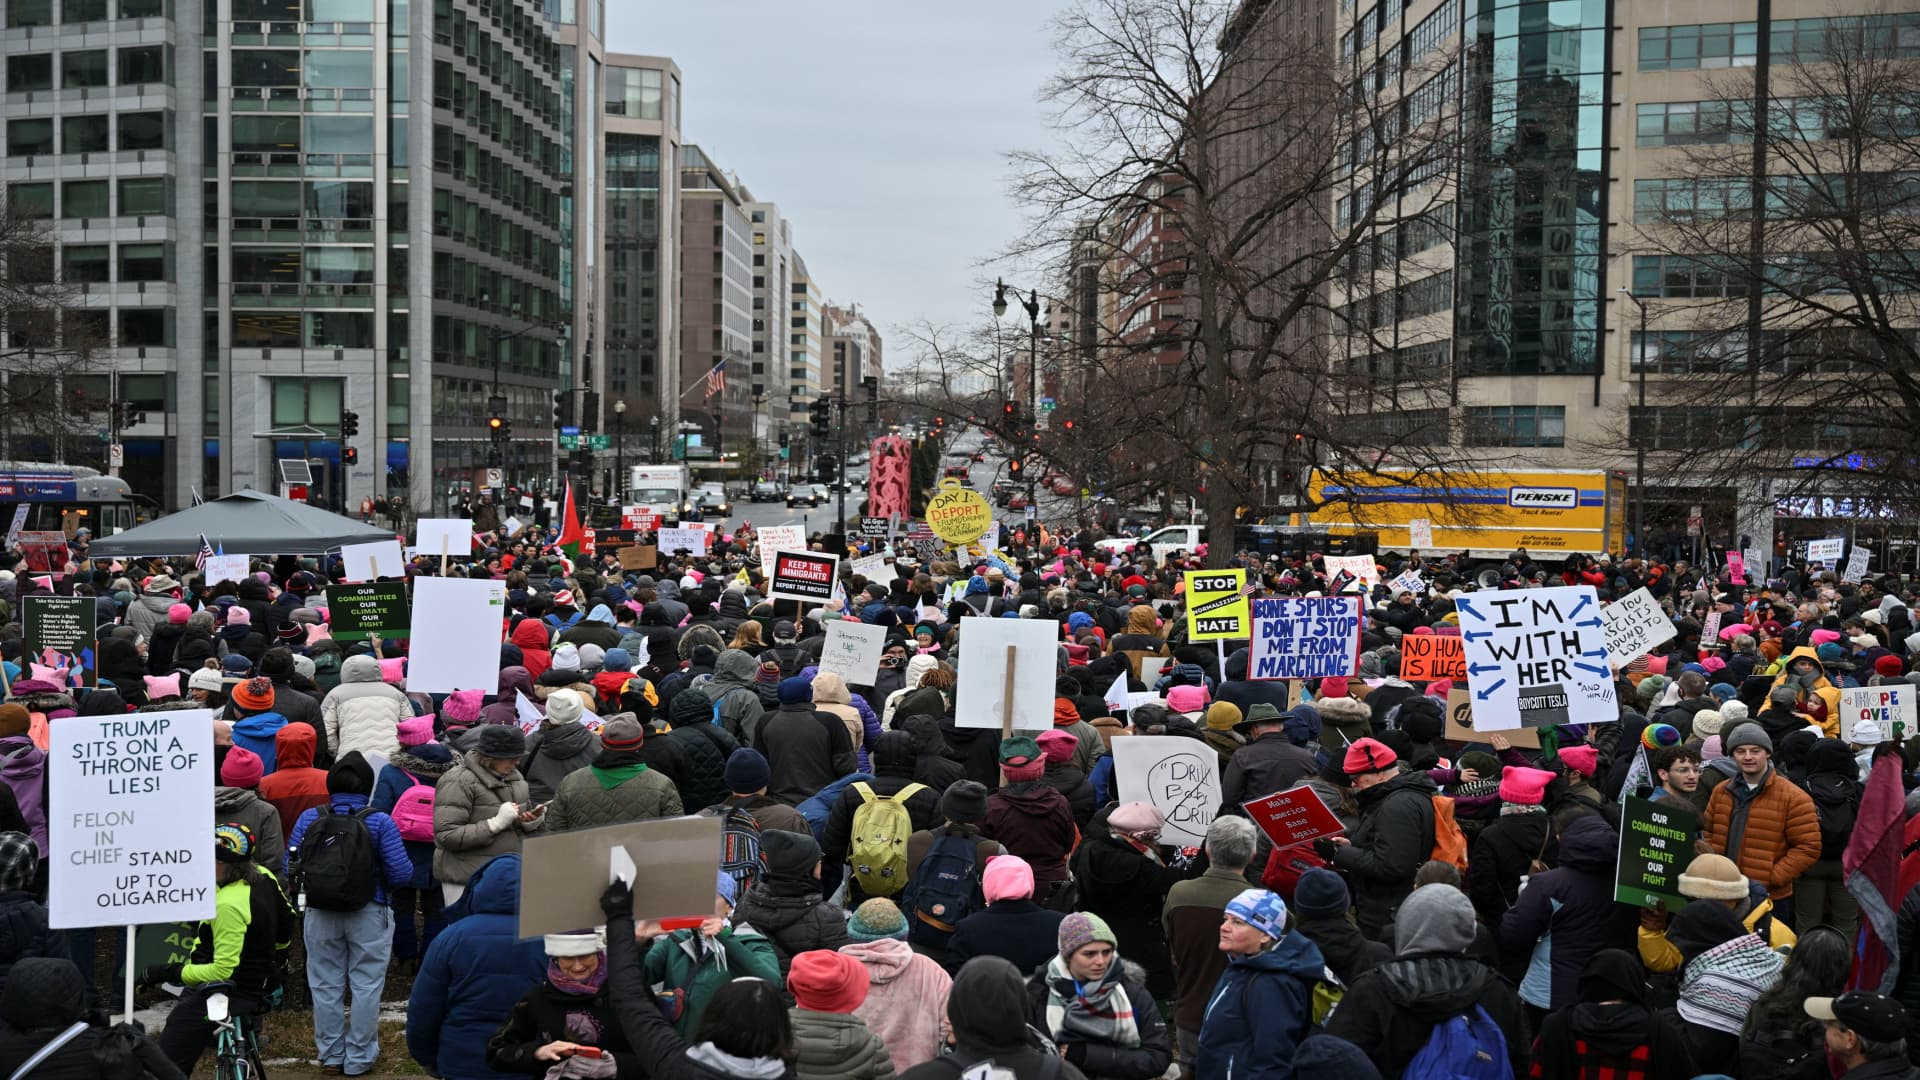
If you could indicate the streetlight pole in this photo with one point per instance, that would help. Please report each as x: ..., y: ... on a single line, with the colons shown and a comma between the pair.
x: 619, y: 450
x: 1032, y: 304
x: 1640, y: 436
x: 653, y: 429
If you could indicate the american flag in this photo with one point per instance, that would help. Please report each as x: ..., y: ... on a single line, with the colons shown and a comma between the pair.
x: 206, y: 552
x: 717, y: 378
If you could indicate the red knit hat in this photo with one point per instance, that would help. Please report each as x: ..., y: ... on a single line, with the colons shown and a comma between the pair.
x: 1525, y: 786
x: 1368, y: 756
x: 1334, y: 686
x: 1889, y: 667
x: 241, y: 768
x: 254, y: 695
x: 826, y: 981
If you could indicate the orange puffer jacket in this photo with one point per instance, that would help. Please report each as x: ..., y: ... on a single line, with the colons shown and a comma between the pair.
x: 1782, y: 835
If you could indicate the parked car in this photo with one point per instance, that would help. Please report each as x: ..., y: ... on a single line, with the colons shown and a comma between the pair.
x: 1062, y: 486
x: 1018, y: 501
x: 959, y: 471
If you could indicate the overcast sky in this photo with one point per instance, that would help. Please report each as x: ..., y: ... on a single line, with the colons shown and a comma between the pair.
x: 879, y: 127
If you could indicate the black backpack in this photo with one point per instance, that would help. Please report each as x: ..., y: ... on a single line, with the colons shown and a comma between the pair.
x: 945, y: 889
x: 335, y: 863
x: 1836, y: 799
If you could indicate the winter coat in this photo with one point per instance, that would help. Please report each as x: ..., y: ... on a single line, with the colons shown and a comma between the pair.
x: 392, y: 869
x: 792, y: 916
x: 830, y: 696
x: 362, y: 713
x: 194, y: 649
x: 976, y: 749
x: 45, y: 1001
x: 300, y: 707
x: 1129, y: 890
x: 395, y: 778
x: 1611, y: 1034
x: 1092, y: 747
x: 703, y: 749
x: 1499, y: 856
x: 161, y: 647
x: 23, y: 769
x: 769, y: 813
x: 1023, y: 932
x: 906, y: 999
x: 733, y: 689
x: 148, y: 612
x: 1343, y: 721
x: 1822, y: 688
x: 1190, y: 921
x: 1779, y: 837
x: 1066, y: 778
x: 806, y: 750
x: 1349, y: 953
x: 24, y: 931
x: 259, y: 733
x: 837, y: 1046
x: 931, y: 765
x: 241, y: 806
x: 1568, y: 914
x: 463, y: 801
x: 1108, y: 1061
x: 1268, y: 764
x: 1035, y: 822
x: 556, y: 751
x: 671, y: 963
x: 294, y: 785
x: 585, y: 800
x: 664, y: 1055
x: 1391, y: 1011
x: 503, y: 707
x: 923, y: 807
x: 532, y: 639
x: 1260, y: 1011
x: 540, y: 1017
x: 473, y: 973
x: 1393, y: 837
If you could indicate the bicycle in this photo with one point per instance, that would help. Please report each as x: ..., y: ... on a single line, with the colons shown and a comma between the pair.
x: 236, y: 1037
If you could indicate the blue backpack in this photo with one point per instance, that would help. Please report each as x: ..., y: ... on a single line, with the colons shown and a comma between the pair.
x: 1468, y: 1046
x: 944, y: 890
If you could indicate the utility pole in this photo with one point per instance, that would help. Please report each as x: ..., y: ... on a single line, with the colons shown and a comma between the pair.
x: 841, y: 463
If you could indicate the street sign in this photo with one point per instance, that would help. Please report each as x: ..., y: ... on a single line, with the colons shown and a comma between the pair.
x: 496, y: 478
x: 116, y: 456
x: 569, y: 430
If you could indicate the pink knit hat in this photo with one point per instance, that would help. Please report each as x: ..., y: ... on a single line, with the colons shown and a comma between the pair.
x: 1007, y: 877
x: 462, y: 707
x: 1524, y: 786
x: 1187, y: 699
x: 1582, y: 759
x: 416, y: 731
x: 179, y: 613
x: 1058, y: 745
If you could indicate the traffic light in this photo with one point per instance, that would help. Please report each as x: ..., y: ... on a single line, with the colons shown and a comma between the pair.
x: 498, y: 428
x: 590, y: 411
x: 824, y: 468
x: 351, y: 455
x: 1066, y: 425
x: 822, y: 411
x: 1015, y: 467
x: 127, y: 414
x: 349, y: 424
x: 562, y: 408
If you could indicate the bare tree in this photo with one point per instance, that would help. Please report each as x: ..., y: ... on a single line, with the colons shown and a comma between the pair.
x: 50, y: 340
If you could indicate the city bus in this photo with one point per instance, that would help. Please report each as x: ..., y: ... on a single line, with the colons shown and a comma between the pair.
x: 68, y: 498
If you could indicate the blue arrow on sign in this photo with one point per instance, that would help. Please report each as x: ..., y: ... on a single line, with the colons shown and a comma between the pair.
x: 1595, y: 670
x: 1478, y: 669
x: 1477, y: 635
x: 1465, y: 608
x: 1497, y: 684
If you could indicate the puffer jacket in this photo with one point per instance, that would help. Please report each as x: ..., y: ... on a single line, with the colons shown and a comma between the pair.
x: 23, y: 769
x: 471, y: 976
x: 1390, y: 1012
x: 1343, y: 721
x: 1242, y: 693
x: 931, y: 765
x: 463, y: 801
x: 395, y: 778
x: 831, y: 696
x: 792, y: 916
x: 48, y: 997
x: 1393, y: 837
x: 363, y: 713
x: 837, y: 1046
x: 704, y: 748
x: 1066, y: 778
x: 149, y: 612
x: 24, y: 931
x: 555, y: 752
x: 1822, y: 687
x: 806, y: 750
x: 1779, y: 837
x: 906, y: 999
x: 242, y: 806
x: 294, y: 784
x: 300, y: 707
x: 593, y: 796
x: 733, y: 688
x: 1567, y: 915
x: 734, y: 953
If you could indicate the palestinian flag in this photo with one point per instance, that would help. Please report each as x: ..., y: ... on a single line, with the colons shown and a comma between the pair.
x: 572, y: 536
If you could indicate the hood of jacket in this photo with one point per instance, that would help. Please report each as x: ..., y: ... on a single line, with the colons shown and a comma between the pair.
x: 1371, y: 798
x: 777, y: 905
x: 736, y: 667
x: 917, y: 667
x: 1431, y: 988
x: 228, y: 800
x: 885, y: 960
x: 925, y: 731
x: 419, y: 767
x: 293, y: 747
x: 1590, y: 845
x: 1236, y: 667
x: 1032, y: 797
x: 733, y: 604
x: 1294, y: 954
x: 565, y: 740
x: 530, y: 634
x: 158, y: 605
x: 1346, y: 715
x: 262, y: 726
x: 360, y: 669
x: 1804, y: 652
x: 43, y: 994
x: 495, y: 887
x: 514, y: 678
x: 1433, y: 919
x: 830, y: 689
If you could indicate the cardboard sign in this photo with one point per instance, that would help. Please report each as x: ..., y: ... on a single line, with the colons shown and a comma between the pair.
x: 365, y: 562
x: 456, y: 631
x: 874, y: 527
x: 563, y: 874
x: 1710, y: 630
x: 1886, y: 705
x: 1305, y: 637
x: 1656, y: 844
x: 130, y: 821
x: 693, y: 540
x: 979, y: 699
x: 1737, y: 567
x: 638, y: 557
x: 1757, y: 565
x: 1537, y: 657
x: 1217, y: 606
x: 1361, y: 567
x: 452, y: 537
x: 1293, y: 817
x: 1426, y: 657
x: 1856, y: 571
x: 1634, y: 624
x: 58, y: 632
x: 852, y: 651
x: 774, y: 538
x: 1178, y: 775
x: 1460, y: 727
x: 1420, y: 533
x: 378, y: 607
x: 19, y: 522
x: 1826, y: 551
x: 806, y: 576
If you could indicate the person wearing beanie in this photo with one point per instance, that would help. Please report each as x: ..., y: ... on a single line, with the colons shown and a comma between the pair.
x: 237, y: 801
x: 1320, y: 908
x: 1124, y: 874
x: 697, y: 961
x: 1613, y: 1028
x: 829, y: 1040
x: 21, y: 911
x: 893, y: 781
x: 1511, y: 844
x: 1713, y: 878
x: 1323, y: 1057
x: 907, y: 991
x: 1190, y: 920
x: 941, y: 894
x: 1218, y: 731
x: 1269, y: 762
x: 1031, y: 817
x: 250, y: 708
x: 207, y: 689
x: 988, y: 1014
x: 163, y: 641
x: 1567, y: 914
x: 1058, y: 747
x: 561, y: 746
x: 347, y: 951
x: 1067, y: 717
x: 1264, y: 1005
x: 616, y: 787
x: 1887, y: 668
x: 805, y: 749
x: 419, y: 764
x: 364, y: 712
x: 1394, y: 835
x: 1834, y: 775
x: 481, y: 808
x: 570, y: 1006
x: 1102, y: 1017
x: 785, y: 904
x: 747, y: 776
x: 1012, y: 925
x: 1761, y: 820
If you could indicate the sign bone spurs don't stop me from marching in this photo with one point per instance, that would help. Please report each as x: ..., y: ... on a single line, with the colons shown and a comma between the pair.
x: 1536, y: 657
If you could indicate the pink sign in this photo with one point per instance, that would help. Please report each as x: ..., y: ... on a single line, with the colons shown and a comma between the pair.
x: 1737, y: 567
x: 889, y: 479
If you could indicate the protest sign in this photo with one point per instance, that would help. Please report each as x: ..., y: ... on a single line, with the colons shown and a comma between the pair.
x: 1634, y: 624
x: 365, y: 562
x: 455, y: 635
x: 684, y: 539
x: 981, y: 698
x: 1408, y: 581
x: 130, y: 821
x: 1292, y: 817
x: 444, y: 537
x: 58, y: 632
x: 852, y: 651
x: 377, y: 607
x: 19, y: 523
x: 1420, y: 533
x: 1426, y: 657
x: 1826, y: 551
x: 1656, y: 844
x: 638, y: 557
x: 1710, y: 630
x: 1362, y: 567
x: 1737, y: 567
x: 1460, y: 724
x: 774, y: 538
x: 1305, y: 637
x: 873, y: 568
x: 1178, y: 775
x: 221, y: 568
x: 873, y: 527
x: 1856, y: 571
x: 45, y: 551
x: 1151, y: 668
x: 806, y: 576
x: 1886, y: 705
x: 1216, y: 605
x: 563, y: 874
x: 1536, y: 657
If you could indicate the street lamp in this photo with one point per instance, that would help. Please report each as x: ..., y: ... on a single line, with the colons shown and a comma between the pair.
x: 1032, y: 304
x: 653, y: 429
x: 759, y: 407
x: 619, y: 449
x: 1640, y: 437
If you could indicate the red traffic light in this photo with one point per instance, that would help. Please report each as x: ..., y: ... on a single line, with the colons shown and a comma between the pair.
x: 1015, y: 465
x: 1067, y: 424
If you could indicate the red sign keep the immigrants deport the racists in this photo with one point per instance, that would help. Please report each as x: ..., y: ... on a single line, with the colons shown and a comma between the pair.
x: 806, y: 576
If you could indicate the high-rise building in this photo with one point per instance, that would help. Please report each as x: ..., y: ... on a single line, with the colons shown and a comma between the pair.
x: 773, y: 275
x: 806, y: 352
x: 642, y: 241
x: 716, y: 308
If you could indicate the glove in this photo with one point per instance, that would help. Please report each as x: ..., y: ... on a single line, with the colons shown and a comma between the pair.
x: 160, y: 973
x: 1324, y: 848
x: 504, y: 817
x: 617, y: 901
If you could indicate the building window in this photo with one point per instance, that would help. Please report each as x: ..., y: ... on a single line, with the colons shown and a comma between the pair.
x: 29, y: 137
x: 145, y: 196
x: 82, y: 11
x: 143, y: 262
x: 633, y: 92
x: 146, y: 327
x: 1683, y: 199
x: 84, y: 199
x: 84, y: 134
x: 1702, y: 45
x: 83, y: 69
x: 1688, y: 277
x: 1688, y: 352
x: 143, y: 64
x: 1403, y: 427
x: 306, y: 401
x: 1663, y: 427
x: 29, y: 12
x: 30, y: 200
x: 143, y: 131
x: 29, y: 72
x: 86, y: 263
x: 1690, y: 123
x: 1516, y: 425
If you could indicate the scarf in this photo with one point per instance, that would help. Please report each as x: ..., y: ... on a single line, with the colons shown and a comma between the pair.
x: 611, y: 778
x: 1099, y: 1012
x: 1474, y: 789
x: 1507, y: 808
x: 582, y: 1025
x: 1721, y: 984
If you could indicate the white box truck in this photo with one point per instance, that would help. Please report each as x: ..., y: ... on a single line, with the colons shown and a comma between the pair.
x: 659, y: 489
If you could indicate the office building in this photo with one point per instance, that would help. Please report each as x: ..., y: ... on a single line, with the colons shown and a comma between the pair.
x: 643, y: 108
x: 716, y: 309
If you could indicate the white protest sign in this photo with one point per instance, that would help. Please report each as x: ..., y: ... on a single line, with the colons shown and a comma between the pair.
x: 1137, y: 698
x: 1420, y: 533
x: 1151, y: 668
x: 1178, y: 775
x: 455, y: 635
x: 221, y: 568
x: 1756, y: 565
x: 526, y: 713
x: 1886, y: 705
x: 444, y: 536
x: 1408, y: 581
x: 364, y: 562
x: 1117, y: 693
x: 1536, y: 657
x: 1361, y: 567
x: 983, y: 656
x: 874, y: 568
x: 1826, y: 551
x: 1857, y: 565
x: 852, y: 651
x: 510, y: 526
x: 693, y: 540
x: 774, y: 538
x: 1634, y: 624
x: 130, y: 819
x: 1709, y: 630
x: 1312, y: 637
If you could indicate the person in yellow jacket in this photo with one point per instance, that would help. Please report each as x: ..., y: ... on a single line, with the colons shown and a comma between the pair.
x: 1819, y: 698
x: 1712, y: 879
